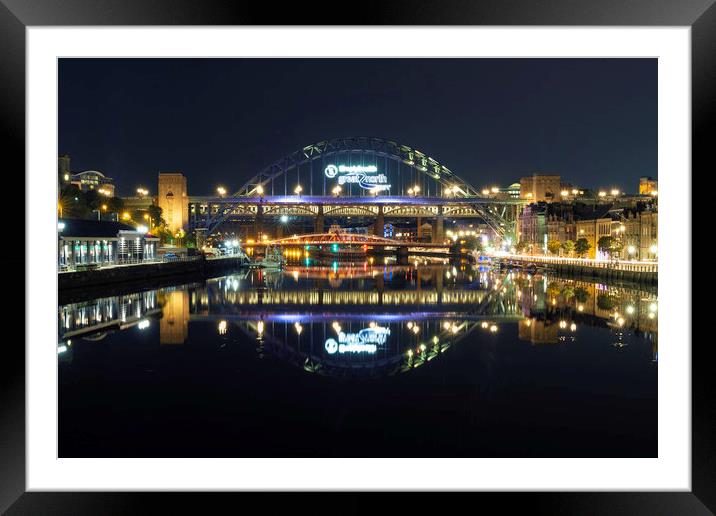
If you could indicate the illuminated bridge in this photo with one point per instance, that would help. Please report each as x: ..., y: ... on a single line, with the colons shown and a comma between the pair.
x: 369, y: 180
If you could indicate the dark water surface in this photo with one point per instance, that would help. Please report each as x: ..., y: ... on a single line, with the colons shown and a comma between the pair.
x: 394, y: 361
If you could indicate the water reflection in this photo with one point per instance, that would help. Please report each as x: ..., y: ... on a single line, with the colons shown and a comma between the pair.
x: 369, y: 321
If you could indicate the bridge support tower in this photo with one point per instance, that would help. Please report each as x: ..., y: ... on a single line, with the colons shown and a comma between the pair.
x: 379, y: 229
x: 319, y: 220
x: 259, y: 224
x: 439, y: 226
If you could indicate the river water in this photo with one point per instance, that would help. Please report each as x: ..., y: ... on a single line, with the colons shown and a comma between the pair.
x: 414, y: 361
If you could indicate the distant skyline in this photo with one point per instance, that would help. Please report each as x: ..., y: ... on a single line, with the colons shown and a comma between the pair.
x: 491, y: 121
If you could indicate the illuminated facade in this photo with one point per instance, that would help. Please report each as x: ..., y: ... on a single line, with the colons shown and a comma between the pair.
x: 94, y: 242
x: 173, y: 199
x: 541, y: 188
x: 648, y: 185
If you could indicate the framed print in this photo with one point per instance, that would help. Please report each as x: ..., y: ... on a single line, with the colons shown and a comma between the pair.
x: 414, y: 251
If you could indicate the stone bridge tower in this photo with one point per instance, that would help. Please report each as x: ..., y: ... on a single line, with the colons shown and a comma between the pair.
x: 173, y: 199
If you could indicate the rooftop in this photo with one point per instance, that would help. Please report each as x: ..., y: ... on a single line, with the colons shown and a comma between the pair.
x: 92, y: 228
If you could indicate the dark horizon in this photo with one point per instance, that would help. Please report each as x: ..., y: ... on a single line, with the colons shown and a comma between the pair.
x: 491, y: 121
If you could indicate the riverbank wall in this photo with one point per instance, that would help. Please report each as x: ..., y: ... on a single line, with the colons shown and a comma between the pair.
x: 604, y: 273
x: 145, y: 274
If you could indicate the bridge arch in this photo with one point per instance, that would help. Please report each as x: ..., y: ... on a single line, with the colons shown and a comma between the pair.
x: 374, y: 176
x: 363, y: 150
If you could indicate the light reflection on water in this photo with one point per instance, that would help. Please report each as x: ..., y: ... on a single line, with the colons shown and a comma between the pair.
x: 343, y: 362
x: 371, y: 321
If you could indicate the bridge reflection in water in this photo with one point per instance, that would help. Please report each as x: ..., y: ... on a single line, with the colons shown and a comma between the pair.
x: 366, y: 321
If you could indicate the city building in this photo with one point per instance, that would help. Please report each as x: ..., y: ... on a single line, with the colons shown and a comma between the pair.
x: 592, y: 228
x: 85, y: 242
x: 634, y: 225
x: 638, y: 230
x: 532, y: 227
x: 63, y: 169
x: 93, y: 180
x: 173, y: 199
x: 648, y: 186
x: 541, y: 187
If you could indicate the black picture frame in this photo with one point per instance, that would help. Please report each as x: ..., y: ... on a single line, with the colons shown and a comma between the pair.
x: 17, y: 15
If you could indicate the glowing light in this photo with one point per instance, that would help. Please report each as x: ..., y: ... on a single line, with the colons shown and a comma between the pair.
x: 60, y: 226
x: 573, y: 327
x: 630, y: 309
x: 260, y: 327
x: 416, y: 329
x: 602, y: 194
x: 615, y: 191
x: 484, y: 324
x: 260, y: 190
x: 284, y: 218
x: 493, y: 328
x: 222, y: 327
x: 298, y: 327
x: 221, y: 190
x: 652, y: 307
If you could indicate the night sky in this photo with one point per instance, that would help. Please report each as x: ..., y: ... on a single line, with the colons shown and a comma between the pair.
x: 220, y: 121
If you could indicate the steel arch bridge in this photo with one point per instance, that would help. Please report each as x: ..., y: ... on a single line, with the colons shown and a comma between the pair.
x: 401, y: 182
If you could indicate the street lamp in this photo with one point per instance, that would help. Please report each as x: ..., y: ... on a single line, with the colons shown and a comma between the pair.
x: 298, y: 190
x: 631, y: 250
x: 337, y: 191
x: 221, y: 191
x: 260, y: 190
x: 416, y: 189
x: 149, y: 218
x: 142, y: 192
x: 615, y: 192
